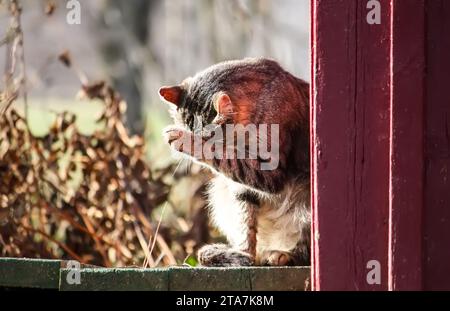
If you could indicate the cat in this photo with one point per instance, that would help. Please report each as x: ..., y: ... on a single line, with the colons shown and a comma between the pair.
x: 264, y: 214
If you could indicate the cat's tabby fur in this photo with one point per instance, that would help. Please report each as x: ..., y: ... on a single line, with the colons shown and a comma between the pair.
x: 265, y: 215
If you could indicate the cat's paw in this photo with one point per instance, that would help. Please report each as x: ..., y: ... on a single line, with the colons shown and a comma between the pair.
x: 172, y: 134
x: 177, y: 138
x: 220, y: 255
x: 275, y: 258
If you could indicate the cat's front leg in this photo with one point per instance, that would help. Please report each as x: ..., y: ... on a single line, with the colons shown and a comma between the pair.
x: 242, y: 251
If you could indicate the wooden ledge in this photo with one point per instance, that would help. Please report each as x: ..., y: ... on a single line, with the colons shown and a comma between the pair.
x: 52, y: 274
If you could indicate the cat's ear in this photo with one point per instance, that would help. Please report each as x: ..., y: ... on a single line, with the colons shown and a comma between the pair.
x: 223, y: 104
x: 171, y: 94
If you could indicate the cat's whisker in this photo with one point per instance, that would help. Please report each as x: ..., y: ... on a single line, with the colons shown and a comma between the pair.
x: 188, y: 166
x: 177, y: 167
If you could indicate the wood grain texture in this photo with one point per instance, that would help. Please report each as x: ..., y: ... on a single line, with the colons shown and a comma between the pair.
x: 437, y: 149
x: 350, y: 163
x: 381, y: 144
x: 312, y: 111
x: 406, y: 153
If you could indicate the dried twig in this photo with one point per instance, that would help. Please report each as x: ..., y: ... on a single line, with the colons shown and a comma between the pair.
x: 51, y: 239
x: 156, y: 233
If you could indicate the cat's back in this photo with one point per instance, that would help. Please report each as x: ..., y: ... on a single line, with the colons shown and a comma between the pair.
x: 260, y: 74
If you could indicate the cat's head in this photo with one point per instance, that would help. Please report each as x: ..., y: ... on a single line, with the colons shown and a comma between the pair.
x: 257, y: 97
x: 193, y: 105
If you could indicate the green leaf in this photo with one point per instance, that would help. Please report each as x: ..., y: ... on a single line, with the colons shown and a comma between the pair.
x: 191, y: 261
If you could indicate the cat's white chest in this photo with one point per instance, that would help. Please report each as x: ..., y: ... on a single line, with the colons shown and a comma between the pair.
x: 279, y: 218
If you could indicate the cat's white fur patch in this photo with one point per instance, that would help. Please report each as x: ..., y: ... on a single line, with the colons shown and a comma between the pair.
x: 281, y: 218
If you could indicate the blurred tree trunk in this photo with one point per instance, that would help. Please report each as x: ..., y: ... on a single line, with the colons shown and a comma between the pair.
x: 124, y: 26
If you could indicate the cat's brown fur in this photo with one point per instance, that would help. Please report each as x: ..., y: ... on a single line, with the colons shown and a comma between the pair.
x: 265, y: 214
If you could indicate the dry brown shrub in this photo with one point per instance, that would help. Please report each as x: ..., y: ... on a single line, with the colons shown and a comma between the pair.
x: 92, y: 198
x: 87, y: 197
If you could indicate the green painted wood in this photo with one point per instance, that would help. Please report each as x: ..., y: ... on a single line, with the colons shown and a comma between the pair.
x: 189, y: 279
x: 120, y: 279
x: 209, y: 279
x: 29, y: 273
x: 54, y: 274
x: 279, y: 278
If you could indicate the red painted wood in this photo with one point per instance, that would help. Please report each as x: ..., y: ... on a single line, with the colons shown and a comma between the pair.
x: 380, y: 112
x: 312, y: 139
x: 350, y: 144
x: 406, y: 158
x: 437, y: 149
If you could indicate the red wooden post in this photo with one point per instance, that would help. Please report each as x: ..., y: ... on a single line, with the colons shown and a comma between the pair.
x: 436, y: 225
x: 380, y: 144
x: 406, y: 154
x: 350, y: 135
